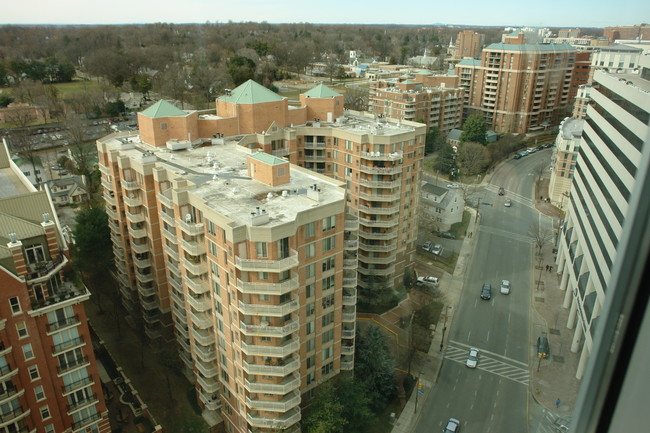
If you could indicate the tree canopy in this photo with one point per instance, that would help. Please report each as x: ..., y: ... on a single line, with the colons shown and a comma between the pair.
x: 93, y: 248
x: 374, y: 366
x: 474, y: 129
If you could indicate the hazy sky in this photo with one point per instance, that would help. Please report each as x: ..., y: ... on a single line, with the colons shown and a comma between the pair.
x: 548, y: 13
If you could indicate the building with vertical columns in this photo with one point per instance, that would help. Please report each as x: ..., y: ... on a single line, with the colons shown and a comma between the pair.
x: 610, y: 151
x: 49, y: 381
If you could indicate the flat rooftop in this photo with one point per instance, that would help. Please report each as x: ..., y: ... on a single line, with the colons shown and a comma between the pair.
x: 220, y: 173
x: 10, y: 184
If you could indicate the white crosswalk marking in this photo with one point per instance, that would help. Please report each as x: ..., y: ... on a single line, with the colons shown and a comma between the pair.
x: 507, y: 234
x: 507, y: 368
x: 512, y: 196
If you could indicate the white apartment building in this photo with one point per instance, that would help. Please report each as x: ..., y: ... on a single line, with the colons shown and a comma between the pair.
x: 565, y: 155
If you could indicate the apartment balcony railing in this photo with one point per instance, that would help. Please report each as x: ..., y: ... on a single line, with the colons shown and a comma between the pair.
x: 384, y: 235
x: 174, y: 268
x: 203, y: 336
x: 82, y: 403
x: 200, y: 304
x: 193, y: 248
x: 378, y: 260
x: 347, y: 365
x: 348, y: 333
x: 269, y: 331
x: 350, y: 263
x: 281, y: 369
x: 378, y: 156
x: 149, y: 303
x: 376, y: 271
x: 347, y: 349
x: 287, y: 348
x: 171, y: 251
x: 282, y: 421
x: 142, y: 263
x: 351, y: 244
x: 144, y: 277
x: 378, y: 196
x: 349, y: 315
x: 107, y: 184
x: 190, y: 228
x: 201, y: 320
x: 13, y: 415
x: 176, y: 284
x: 316, y: 158
x: 287, y: 385
x: 350, y: 282
x: 137, y: 233
x: 151, y: 316
x: 169, y: 219
x: 68, y: 345
x: 376, y: 210
x: 153, y: 332
x: 262, y: 265
x: 182, y: 329
x: 257, y: 288
x: 393, y: 222
x: 76, y: 364
x: 350, y: 298
x: 130, y: 185
x: 287, y: 403
x: 63, y: 323
x: 351, y: 223
x: 86, y: 421
x: 126, y: 291
x: 113, y: 225
x: 195, y: 268
x: 207, y: 369
x: 103, y: 169
x: 380, y: 170
x: 269, y: 310
x: 207, y: 354
x: 197, y: 285
x: 110, y: 199
x: 111, y: 212
x: 78, y: 384
x: 132, y: 201
x: 380, y: 248
x: 280, y: 152
x: 135, y: 217
x: 209, y: 385
x: 211, y: 401
x: 167, y: 201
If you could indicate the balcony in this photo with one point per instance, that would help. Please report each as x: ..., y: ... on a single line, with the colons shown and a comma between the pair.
x: 380, y: 170
x: 347, y: 364
x: 378, y: 260
x: 351, y: 244
x: 378, y: 196
x: 289, y: 347
x: 201, y: 304
x: 349, y: 314
x: 268, y: 288
x: 380, y: 236
x: 288, y: 402
x: 44, y: 270
x: 113, y: 225
x: 280, y: 152
x: 110, y: 199
x: 351, y: 223
x: 151, y: 316
x: 107, y: 184
x: 348, y: 333
x: 207, y: 369
x: 350, y: 281
x: 78, y: 363
x: 144, y: 277
x: 201, y: 320
x: 86, y: 421
x: 153, y: 332
x: 350, y: 264
x: 182, y: 329
x: 135, y: 217
x: 347, y: 349
x: 169, y: 219
x: 207, y: 354
x: 379, y: 223
x: 142, y: 263
x: 376, y: 210
x: 176, y: 284
x: 381, y: 248
x: 378, y: 156
x: 269, y: 310
x: 190, y: 228
x: 315, y: 158
x: 282, y: 421
x: 269, y: 369
x: 104, y: 170
x: 350, y: 297
x: 211, y: 402
x: 132, y: 201
x: 203, y: 337
x: 167, y: 201
x: 66, y: 294
x: 193, y: 248
x: 287, y: 385
x: 111, y: 213
x: 197, y: 285
x: 130, y: 185
x: 174, y: 268
x: 195, y: 268
x: 376, y: 271
x: 262, y: 265
x: 14, y: 415
x: 171, y: 251
x: 269, y: 331
x: 170, y: 236
x: 64, y: 323
x: 149, y: 303
x: 209, y: 385
x: 137, y: 233
x: 76, y: 385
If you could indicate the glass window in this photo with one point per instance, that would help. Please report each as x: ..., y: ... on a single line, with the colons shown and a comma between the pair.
x: 27, y: 351
x: 15, y: 305
x: 33, y: 372
x: 310, y: 230
x: 310, y: 250
x: 45, y: 412
x: 39, y: 392
x: 261, y: 249
x: 21, y: 328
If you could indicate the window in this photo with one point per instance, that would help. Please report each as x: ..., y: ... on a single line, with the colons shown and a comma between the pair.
x: 213, y: 248
x: 28, y: 352
x: 45, y: 412
x: 328, y: 318
x: 280, y: 171
x: 311, y: 345
x: 310, y: 270
x: 311, y: 361
x: 310, y: 250
x: 39, y: 392
x: 261, y: 249
x: 262, y: 275
x: 309, y: 289
x: 311, y: 307
x: 311, y: 377
x: 329, y: 243
x: 212, y: 228
x: 311, y: 326
x: 329, y: 263
x: 328, y: 301
x: 163, y: 126
x: 329, y: 223
x: 310, y: 230
x: 328, y: 336
x: 328, y: 282
x: 50, y: 428
x: 33, y: 373
x: 21, y: 328
x: 327, y: 352
x: 15, y: 305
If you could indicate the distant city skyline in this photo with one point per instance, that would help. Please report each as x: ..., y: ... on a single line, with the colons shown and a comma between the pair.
x: 552, y: 13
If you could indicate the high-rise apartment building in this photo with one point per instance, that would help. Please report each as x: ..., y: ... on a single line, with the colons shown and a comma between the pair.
x: 49, y: 380
x: 581, y: 101
x: 610, y: 153
x: 519, y: 87
x: 468, y: 44
x: 439, y: 106
x: 251, y: 248
x: 636, y: 32
x: 564, y: 159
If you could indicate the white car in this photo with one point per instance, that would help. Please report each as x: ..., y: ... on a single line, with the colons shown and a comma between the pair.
x: 507, y: 203
x: 427, y: 279
x: 505, y: 287
x: 453, y: 185
x: 472, y: 358
x: 427, y: 246
x: 453, y: 426
x: 437, y: 249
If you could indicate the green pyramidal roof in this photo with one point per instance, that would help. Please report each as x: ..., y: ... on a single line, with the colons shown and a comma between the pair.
x: 251, y: 93
x: 163, y: 108
x: 268, y: 159
x: 321, y: 91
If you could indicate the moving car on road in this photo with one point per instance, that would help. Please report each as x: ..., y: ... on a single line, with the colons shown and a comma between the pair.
x: 447, y: 235
x: 505, y: 287
x: 453, y: 426
x: 507, y: 203
x: 486, y: 292
x: 453, y: 185
x: 472, y: 358
x: 502, y: 191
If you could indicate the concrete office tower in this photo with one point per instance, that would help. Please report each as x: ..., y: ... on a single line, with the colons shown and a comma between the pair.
x: 564, y: 159
x: 610, y: 153
x: 468, y: 44
x: 519, y: 87
x: 49, y: 380
x: 244, y: 255
x: 438, y: 106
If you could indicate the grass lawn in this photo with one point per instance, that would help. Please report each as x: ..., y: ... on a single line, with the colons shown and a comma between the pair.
x: 459, y: 228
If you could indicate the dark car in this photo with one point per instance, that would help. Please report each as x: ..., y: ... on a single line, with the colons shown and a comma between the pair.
x: 502, y: 191
x: 486, y: 291
x: 517, y: 156
x: 447, y: 235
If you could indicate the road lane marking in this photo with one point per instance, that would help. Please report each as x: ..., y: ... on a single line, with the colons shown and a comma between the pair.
x: 504, y: 368
x: 488, y: 336
x: 467, y: 346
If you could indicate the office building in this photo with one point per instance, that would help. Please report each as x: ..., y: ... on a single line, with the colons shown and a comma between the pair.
x: 49, y: 380
x: 609, y: 156
x: 518, y: 87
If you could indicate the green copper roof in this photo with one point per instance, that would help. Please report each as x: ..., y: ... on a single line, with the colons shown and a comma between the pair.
x: 424, y: 72
x: 268, y: 159
x: 407, y: 82
x: 469, y: 62
x: 530, y: 47
x: 321, y: 91
x: 406, y: 76
x: 163, y: 108
x: 251, y: 93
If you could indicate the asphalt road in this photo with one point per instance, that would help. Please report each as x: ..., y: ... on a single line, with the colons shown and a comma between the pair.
x: 494, y: 396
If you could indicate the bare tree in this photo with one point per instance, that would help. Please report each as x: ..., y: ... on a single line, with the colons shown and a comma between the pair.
x: 540, y: 237
x: 472, y: 158
x: 356, y: 99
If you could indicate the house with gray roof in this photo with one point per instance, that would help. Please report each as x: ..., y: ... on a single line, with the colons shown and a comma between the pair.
x: 68, y: 190
x: 440, y: 207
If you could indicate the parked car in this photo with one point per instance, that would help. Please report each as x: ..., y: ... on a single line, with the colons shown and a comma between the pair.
x: 502, y: 191
x: 517, y: 156
x: 57, y: 167
x: 531, y: 150
x: 472, y: 358
x: 426, y: 279
x: 447, y: 235
x: 453, y: 426
x: 486, y: 292
x: 505, y: 287
x: 437, y: 249
x: 427, y: 246
x: 507, y: 203
x: 453, y: 185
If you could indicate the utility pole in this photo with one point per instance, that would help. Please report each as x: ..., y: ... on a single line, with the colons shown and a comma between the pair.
x: 478, y: 201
